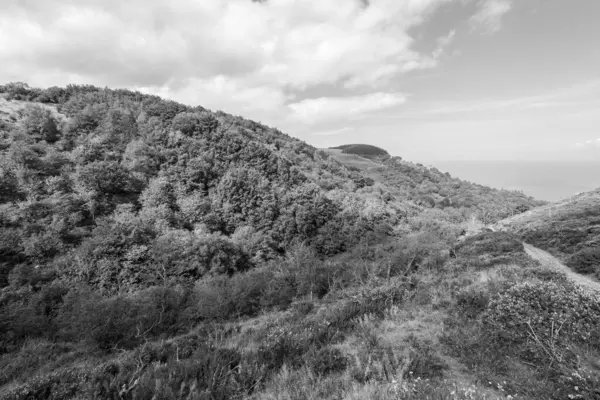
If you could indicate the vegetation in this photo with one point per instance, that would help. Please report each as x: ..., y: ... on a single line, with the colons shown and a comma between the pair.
x: 569, y: 229
x: 428, y: 187
x: 365, y: 150
x: 150, y: 249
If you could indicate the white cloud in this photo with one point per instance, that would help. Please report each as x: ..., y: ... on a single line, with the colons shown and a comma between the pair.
x: 333, y: 132
x: 588, y: 144
x: 238, y: 55
x: 354, y: 107
x: 443, y: 42
x: 584, y: 93
x: 488, y: 17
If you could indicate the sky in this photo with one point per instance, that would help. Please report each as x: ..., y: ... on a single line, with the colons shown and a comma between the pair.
x: 427, y: 80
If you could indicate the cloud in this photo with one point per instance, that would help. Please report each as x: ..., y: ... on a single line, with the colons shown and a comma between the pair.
x: 354, y: 107
x: 239, y: 55
x: 333, y: 132
x: 443, y: 42
x: 488, y: 18
x: 589, y: 144
x: 584, y: 93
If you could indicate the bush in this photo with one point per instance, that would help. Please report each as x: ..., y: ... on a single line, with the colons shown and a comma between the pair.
x: 303, y: 308
x: 326, y: 360
x: 122, y: 321
x: 185, y: 255
x: 33, y: 355
x: 59, y: 385
x: 244, y: 294
x: 424, y: 361
x: 211, y: 373
x: 585, y: 261
x: 492, y: 243
x: 435, y: 389
x: 547, y: 311
x: 472, y: 300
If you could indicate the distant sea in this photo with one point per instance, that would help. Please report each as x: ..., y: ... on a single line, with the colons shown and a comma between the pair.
x: 544, y: 180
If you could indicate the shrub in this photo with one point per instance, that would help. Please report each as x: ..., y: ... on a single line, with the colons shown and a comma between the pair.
x: 242, y: 295
x: 279, y: 292
x: 59, y: 385
x: 185, y: 255
x: 425, y: 363
x: 304, y: 307
x: 435, y: 389
x: 34, y: 354
x: 546, y: 312
x: 121, y: 321
x: 211, y: 373
x: 283, y: 346
x: 492, y: 243
x: 326, y: 360
x: 585, y: 261
x: 472, y: 300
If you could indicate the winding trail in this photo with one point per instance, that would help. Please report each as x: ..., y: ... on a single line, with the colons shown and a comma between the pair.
x: 549, y: 261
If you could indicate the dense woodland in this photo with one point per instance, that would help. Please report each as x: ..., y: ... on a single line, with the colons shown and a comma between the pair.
x: 149, y: 248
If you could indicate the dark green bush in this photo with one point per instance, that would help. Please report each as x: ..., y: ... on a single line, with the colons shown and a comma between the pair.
x: 425, y: 363
x: 585, y: 261
x: 540, y: 310
x: 284, y: 345
x: 326, y: 360
x: 122, y: 321
x: 210, y: 373
x: 492, y: 243
x: 304, y: 307
x: 59, y: 385
x: 473, y: 300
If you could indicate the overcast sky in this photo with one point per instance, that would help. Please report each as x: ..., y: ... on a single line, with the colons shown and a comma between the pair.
x: 426, y: 79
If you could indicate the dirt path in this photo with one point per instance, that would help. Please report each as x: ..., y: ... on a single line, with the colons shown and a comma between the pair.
x: 549, y: 261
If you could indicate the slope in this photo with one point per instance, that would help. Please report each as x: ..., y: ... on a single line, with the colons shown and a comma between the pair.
x: 547, y: 260
x: 570, y: 230
x: 430, y: 188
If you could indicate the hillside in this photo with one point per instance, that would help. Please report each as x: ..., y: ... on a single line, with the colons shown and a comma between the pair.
x: 431, y: 188
x: 569, y: 229
x: 154, y: 250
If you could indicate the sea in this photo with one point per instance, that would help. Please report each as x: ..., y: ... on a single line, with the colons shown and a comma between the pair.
x: 543, y: 180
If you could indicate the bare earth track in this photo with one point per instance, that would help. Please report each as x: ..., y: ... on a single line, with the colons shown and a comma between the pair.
x: 549, y: 261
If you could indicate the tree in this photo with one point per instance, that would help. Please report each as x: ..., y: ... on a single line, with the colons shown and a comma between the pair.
x: 191, y: 124
x: 183, y: 255
x: 39, y: 123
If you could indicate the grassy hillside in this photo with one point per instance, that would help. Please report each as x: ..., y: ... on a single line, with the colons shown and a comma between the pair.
x: 569, y: 229
x: 431, y: 188
x: 150, y: 249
